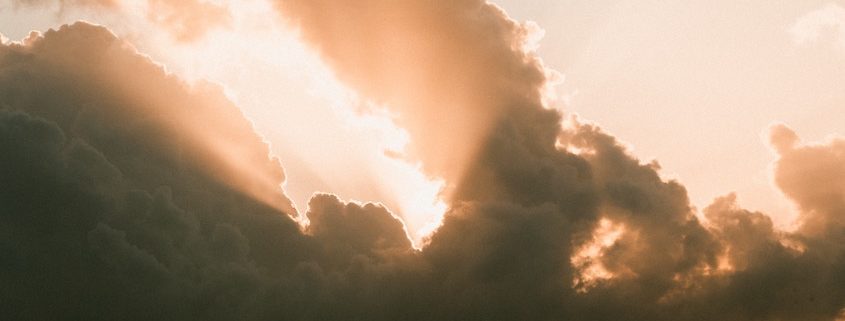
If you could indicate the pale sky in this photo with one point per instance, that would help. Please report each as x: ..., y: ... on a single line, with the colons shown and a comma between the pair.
x: 692, y: 84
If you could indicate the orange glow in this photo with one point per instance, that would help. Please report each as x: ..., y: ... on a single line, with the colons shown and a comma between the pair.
x: 588, y: 258
x: 724, y: 262
x: 793, y: 244
x: 327, y: 138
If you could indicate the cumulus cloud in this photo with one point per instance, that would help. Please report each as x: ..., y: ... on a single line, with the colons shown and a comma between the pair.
x: 813, y: 176
x: 128, y: 194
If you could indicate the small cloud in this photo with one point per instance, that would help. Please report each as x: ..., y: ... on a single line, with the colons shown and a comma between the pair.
x: 825, y: 23
x: 782, y: 138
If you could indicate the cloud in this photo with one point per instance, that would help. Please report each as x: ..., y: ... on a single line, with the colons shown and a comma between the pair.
x: 826, y: 23
x: 523, y: 202
x: 117, y: 197
x: 449, y: 71
x: 184, y: 20
x: 772, y: 275
x: 812, y: 176
x: 352, y: 229
x: 128, y: 194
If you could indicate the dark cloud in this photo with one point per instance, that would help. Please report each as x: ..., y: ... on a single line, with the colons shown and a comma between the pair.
x: 117, y: 203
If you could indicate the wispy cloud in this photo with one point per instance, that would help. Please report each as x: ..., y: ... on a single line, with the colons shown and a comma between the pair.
x: 824, y: 24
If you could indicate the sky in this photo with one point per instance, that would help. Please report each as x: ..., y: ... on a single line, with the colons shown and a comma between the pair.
x: 315, y: 159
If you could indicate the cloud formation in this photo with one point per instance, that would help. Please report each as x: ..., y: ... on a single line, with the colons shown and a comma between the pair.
x: 128, y: 194
x: 184, y: 20
x: 117, y: 204
x: 813, y: 176
x: 524, y: 203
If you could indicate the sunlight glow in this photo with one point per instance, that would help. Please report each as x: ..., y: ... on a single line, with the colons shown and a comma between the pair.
x: 328, y: 139
x: 588, y: 258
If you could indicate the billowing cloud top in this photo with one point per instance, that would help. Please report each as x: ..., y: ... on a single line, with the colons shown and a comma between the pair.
x: 128, y: 194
